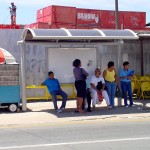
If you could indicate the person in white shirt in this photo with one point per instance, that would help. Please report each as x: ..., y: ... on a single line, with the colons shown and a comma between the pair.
x: 95, y: 79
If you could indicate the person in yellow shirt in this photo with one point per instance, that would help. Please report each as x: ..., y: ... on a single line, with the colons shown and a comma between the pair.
x: 111, y: 80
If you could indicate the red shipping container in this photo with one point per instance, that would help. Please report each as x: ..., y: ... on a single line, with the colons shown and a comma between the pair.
x: 108, y: 19
x: 59, y: 14
x: 58, y: 26
x: 27, y: 26
x: 39, y: 25
x: 94, y: 27
x: 39, y: 20
x: 134, y: 20
x: 87, y: 27
x: 47, y: 19
x: 81, y: 27
x: 6, y: 26
x: 15, y: 27
x: 40, y: 13
x: 88, y: 17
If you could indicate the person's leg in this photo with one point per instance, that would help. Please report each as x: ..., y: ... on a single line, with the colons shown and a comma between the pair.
x: 83, y: 93
x: 108, y: 85
x: 54, y: 99
x: 94, y: 97
x: 124, y: 92
x: 106, y: 97
x: 80, y: 103
x: 129, y: 89
x: 113, y: 91
x: 88, y: 96
x: 64, y: 98
x: 83, y: 104
x: 11, y: 19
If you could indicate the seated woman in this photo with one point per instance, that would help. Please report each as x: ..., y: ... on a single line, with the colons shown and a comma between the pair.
x: 96, y: 89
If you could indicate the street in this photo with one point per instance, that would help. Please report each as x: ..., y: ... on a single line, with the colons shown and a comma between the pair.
x: 106, y: 135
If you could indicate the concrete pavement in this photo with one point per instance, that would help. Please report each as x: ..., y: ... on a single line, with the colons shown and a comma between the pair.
x: 42, y: 112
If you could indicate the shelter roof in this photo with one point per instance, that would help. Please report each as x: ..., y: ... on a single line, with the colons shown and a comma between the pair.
x: 76, y: 35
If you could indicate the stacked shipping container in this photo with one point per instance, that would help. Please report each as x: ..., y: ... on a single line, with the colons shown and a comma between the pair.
x: 56, y: 17
x: 71, y: 17
x: 107, y: 19
x: 134, y: 20
x: 8, y: 26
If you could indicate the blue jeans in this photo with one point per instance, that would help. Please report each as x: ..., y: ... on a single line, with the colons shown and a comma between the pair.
x: 126, y: 87
x: 54, y: 98
x: 111, y: 89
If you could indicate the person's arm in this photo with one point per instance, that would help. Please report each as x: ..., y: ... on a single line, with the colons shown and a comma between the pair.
x: 121, y: 76
x: 104, y: 73
x: 42, y: 83
x: 58, y: 84
x: 94, y: 87
x: 116, y: 77
x: 84, y: 72
x: 103, y: 83
x: 103, y: 86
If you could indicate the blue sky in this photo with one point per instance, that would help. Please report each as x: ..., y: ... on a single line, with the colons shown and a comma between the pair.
x: 26, y: 9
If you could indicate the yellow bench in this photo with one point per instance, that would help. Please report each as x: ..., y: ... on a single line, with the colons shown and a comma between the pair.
x: 68, y: 88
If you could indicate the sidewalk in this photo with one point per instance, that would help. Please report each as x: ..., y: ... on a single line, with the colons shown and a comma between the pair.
x: 39, y: 113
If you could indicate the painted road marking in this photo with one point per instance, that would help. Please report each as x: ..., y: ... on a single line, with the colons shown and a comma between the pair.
x: 75, y: 143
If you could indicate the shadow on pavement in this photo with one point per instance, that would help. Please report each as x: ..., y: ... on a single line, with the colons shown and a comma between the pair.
x: 141, y: 106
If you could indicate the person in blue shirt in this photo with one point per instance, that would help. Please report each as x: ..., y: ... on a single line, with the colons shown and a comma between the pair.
x: 125, y: 79
x: 54, y: 89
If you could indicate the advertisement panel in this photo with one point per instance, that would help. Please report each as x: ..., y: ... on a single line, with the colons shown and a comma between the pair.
x: 88, y: 17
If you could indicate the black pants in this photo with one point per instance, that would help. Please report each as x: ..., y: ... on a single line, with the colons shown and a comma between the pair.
x: 88, y: 96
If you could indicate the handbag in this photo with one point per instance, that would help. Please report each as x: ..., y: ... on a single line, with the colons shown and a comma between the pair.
x: 99, y: 86
x: 118, y: 92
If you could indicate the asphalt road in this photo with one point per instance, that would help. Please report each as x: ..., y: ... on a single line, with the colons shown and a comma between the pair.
x: 86, y: 135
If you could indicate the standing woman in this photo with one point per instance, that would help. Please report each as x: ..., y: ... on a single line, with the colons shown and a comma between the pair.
x: 80, y: 84
x: 110, y: 76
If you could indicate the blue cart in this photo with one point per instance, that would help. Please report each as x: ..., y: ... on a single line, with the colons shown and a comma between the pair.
x: 9, y: 86
x: 10, y: 96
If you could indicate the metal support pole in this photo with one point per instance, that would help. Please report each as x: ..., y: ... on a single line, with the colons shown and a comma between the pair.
x: 142, y: 60
x: 116, y: 12
x: 23, y: 77
x: 119, y: 67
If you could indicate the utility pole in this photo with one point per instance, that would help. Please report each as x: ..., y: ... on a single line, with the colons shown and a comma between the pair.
x: 116, y: 12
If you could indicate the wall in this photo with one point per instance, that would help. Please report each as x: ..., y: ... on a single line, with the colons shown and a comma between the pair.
x: 146, y: 57
x: 62, y: 66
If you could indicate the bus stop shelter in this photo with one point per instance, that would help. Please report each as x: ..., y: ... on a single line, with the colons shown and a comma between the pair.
x: 68, y: 37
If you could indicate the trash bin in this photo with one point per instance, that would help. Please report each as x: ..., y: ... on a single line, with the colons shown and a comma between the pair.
x: 9, y: 86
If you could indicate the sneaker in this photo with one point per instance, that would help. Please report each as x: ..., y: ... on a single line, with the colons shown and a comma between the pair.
x: 89, y: 110
x: 132, y: 105
x: 62, y: 108
x: 59, y: 111
x: 126, y: 106
x: 110, y: 107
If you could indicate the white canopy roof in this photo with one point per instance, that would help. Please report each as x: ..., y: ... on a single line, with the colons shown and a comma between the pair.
x: 76, y: 35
